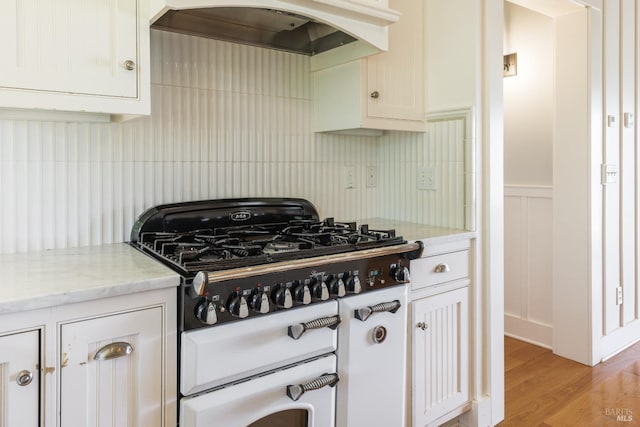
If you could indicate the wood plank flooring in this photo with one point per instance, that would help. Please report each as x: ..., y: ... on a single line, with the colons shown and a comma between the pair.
x: 542, y: 389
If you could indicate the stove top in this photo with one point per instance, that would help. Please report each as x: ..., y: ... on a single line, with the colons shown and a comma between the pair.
x: 223, y: 234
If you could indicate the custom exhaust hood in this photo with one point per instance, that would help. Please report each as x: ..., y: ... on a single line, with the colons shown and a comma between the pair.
x: 337, y: 30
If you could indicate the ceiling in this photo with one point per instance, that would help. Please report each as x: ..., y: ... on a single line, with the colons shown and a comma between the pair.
x: 552, y: 8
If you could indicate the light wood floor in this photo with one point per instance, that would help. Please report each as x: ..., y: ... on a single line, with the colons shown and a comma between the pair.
x: 543, y: 389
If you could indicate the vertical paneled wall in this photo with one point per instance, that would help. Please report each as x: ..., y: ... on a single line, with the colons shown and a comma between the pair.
x: 620, y: 297
x: 227, y: 121
x: 446, y: 148
x: 528, y: 248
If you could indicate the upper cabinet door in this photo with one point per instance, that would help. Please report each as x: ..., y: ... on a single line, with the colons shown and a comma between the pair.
x: 88, y: 47
x: 20, y: 379
x: 381, y: 92
x: 395, y: 77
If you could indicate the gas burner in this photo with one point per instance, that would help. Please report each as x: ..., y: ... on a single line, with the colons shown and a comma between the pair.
x: 223, y: 234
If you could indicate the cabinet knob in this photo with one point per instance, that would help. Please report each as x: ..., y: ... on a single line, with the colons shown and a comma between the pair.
x: 375, y: 94
x: 24, y: 378
x: 442, y: 268
x: 129, y: 65
x: 422, y: 325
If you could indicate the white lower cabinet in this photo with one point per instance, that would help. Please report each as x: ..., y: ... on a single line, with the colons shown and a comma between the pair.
x: 440, y: 358
x: 109, y: 370
x: 103, y: 363
x: 439, y: 331
x: 20, y: 379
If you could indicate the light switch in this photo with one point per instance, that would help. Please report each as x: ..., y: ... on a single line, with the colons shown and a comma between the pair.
x: 609, y: 173
x: 628, y: 120
x: 611, y: 120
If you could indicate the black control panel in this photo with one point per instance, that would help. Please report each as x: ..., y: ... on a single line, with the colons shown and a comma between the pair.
x: 233, y: 300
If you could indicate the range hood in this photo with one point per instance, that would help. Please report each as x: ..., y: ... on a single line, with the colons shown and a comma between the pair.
x: 338, y: 29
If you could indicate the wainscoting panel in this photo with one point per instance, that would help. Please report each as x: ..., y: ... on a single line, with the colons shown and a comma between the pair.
x: 528, y: 263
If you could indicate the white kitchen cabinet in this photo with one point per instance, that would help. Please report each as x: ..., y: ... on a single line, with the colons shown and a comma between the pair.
x: 70, y: 387
x: 109, y: 370
x: 381, y: 92
x: 439, y: 330
x: 440, y: 343
x: 20, y: 379
x: 81, y: 56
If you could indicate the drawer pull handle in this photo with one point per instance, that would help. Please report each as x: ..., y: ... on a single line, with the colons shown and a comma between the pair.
x: 375, y: 94
x: 113, y: 351
x: 129, y: 65
x: 364, y: 313
x: 296, y: 331
x: 442, y: 268
x: 296, y: 391
x: 422, y: 325
x: 24, y: 378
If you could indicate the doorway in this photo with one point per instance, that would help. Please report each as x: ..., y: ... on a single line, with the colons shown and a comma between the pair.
x: 529, y: 136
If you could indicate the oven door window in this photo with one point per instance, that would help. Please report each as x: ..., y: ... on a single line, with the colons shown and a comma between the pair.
x: 263, y: 401
x: 290, y: 418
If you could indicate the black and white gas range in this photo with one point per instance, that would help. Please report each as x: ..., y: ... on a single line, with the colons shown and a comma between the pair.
x: 285, y: 319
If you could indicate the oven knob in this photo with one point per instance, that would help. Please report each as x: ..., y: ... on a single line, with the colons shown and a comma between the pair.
x: 206, y: 312
x: 353, y: 285
x: 282, y: 297
x: 400, y: 273
x: 302, y: 294
x: 259, y: 302
x: 336, y: 286
x: 238, y: 306
x: 320, y: 290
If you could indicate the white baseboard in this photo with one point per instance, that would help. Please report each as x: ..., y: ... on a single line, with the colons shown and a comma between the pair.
x: 528, y: 331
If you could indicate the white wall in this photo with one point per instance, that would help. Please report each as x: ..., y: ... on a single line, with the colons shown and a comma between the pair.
x: 451, y: 54
x: 528, y: 98
x: 528, y: 175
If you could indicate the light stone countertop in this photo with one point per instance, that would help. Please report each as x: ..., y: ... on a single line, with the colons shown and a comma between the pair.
x: 428, y: 234
x: 34, y: 280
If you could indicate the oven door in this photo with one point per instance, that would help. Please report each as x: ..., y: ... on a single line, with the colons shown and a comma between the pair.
x: 372, y: 355
x: 277, y: 399
x: 212, y: 357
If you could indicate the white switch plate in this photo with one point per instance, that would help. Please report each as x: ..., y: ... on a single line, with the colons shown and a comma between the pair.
x: 349, y: 177
x: 372, y: 177
x: 609, y: 173
x: 619, y: 295
x: 628, y: 120
x: 427, y: 178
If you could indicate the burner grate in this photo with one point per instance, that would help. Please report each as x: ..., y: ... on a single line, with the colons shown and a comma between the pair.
x: 231, y: 233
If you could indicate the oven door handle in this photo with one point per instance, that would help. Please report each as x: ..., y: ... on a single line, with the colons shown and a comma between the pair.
x: 296, y: 391
x: 296, y: 331
x: 364, y: 312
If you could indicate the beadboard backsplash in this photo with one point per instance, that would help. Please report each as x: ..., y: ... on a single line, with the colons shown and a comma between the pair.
x: 227, y: 121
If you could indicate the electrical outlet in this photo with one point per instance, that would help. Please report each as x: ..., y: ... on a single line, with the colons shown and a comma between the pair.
x: 350, y: 177
x: 372, y: 177
x: 427, y: 178
x: 619, y: 295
